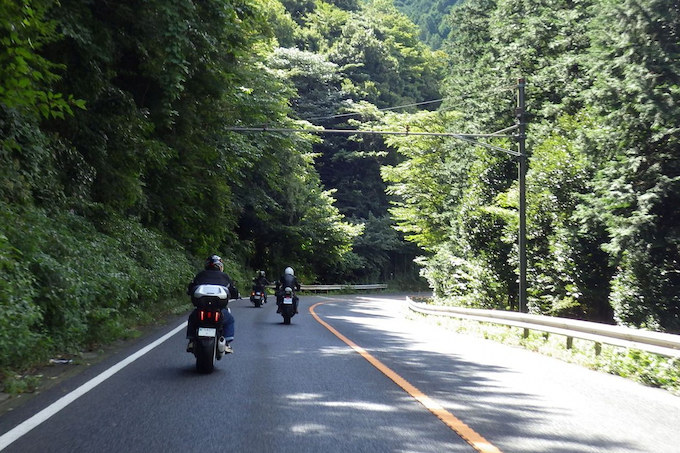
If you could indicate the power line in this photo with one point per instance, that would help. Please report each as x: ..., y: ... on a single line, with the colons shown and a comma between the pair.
x: 343, y: 115
x: 470, y: 138
x: 497, y: 89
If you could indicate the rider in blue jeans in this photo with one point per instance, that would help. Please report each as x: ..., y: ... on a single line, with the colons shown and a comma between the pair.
x: 213, y: 274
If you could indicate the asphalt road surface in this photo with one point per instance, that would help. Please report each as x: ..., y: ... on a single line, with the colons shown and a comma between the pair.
x: 350, y: 374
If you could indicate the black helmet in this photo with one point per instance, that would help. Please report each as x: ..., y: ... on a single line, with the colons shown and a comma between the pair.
x: 214, y: 262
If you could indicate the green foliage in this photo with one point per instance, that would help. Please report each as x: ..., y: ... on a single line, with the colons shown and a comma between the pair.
x: 27, y: 162
x: 379, y: 246
x: 637, y: 187
x: 107, y: 208
x: 642, y: 367
x: 602, y: 181
x: 20, y: 314
x: 380, y: 55
x: 351, y: 53
x: 425, y: 183
x: 284, y: 28
x: 430, y: 16
x: 569, y: 271
x: 316, y: 80
x: 16, y: 384
x: 25, y: 75
x: 69, y: 283
x: 467, y: 282
x: 289, y: 218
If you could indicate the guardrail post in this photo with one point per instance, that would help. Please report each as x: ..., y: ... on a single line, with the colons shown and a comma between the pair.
x: 570, y: 342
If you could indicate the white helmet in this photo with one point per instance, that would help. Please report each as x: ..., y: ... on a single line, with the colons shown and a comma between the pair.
x: 289, y: 271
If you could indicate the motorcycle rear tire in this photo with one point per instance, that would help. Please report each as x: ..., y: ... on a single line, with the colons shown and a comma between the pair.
x: 258, y: 302
x: 286, y: 319
x: 205, y: 351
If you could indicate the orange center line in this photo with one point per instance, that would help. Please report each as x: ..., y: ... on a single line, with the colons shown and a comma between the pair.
x: 469, y: 435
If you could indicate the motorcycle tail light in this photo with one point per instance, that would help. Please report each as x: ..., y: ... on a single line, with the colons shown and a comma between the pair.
x: 209, y: 315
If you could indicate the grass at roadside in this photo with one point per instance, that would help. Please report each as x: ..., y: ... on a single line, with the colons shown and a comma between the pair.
x: 41, y: 374
x: 648, y: 369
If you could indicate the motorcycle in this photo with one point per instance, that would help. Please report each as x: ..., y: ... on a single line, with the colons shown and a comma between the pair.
x: 209, y: 344
x: 287, y: 307
x: 258, y: 295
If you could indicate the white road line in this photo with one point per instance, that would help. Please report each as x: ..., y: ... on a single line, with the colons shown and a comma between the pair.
x: 27, y: 425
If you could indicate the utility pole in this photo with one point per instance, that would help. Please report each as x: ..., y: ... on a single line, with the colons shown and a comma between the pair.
x: 522, y: 161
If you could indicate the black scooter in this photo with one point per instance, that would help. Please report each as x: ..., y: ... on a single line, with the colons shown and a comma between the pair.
x: 258, y: 296
x: 209, y: 344
x: 288, y: 305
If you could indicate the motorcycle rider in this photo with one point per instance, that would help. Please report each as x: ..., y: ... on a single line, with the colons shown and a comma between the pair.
x: 213, y: 274
x: 260, y: 282
x: 287, y: 280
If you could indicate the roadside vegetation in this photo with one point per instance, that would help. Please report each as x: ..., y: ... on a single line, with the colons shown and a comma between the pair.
x: 602, y: 187
x: 121, y: 169
x: 119, y: 174
x: 648, y: 369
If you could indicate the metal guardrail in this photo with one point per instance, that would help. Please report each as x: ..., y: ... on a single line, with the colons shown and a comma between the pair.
x: 655, y: 342
x: 327, y: 288
x: 341, y: 287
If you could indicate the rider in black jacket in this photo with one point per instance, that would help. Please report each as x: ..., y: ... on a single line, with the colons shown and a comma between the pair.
x: 287, y: 280
x: 260, y: 283
x: 212, y: 275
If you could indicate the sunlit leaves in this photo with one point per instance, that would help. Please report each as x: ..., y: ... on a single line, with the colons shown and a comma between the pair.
x: 25, y: 74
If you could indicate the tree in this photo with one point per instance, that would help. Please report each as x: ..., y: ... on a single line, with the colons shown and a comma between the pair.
x: 635, y: 56
x: 27, y: 95
x: 353, y: 56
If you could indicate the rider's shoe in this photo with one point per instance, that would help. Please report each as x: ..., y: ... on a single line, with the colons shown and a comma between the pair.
x: 190, y: 346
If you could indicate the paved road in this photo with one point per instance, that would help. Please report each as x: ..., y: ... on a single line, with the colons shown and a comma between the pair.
x: 303, y: 388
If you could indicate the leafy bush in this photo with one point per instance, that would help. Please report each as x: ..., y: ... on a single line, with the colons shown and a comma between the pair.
x: 19, y: 316
x: 68, y: 284
x: 468, y: 283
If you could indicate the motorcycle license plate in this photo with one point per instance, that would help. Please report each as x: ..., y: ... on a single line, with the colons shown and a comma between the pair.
x: 288, y: 300
x: 206, y: 332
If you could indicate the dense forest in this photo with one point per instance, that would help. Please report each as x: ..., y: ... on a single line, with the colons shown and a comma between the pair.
x: 431, y: 16
x: 604, y: 161
x: 121, y: 166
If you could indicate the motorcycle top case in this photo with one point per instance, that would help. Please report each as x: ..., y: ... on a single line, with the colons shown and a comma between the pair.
x: 210, y: 296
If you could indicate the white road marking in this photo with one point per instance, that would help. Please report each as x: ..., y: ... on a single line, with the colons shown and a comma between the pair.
x: 27, y: 425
